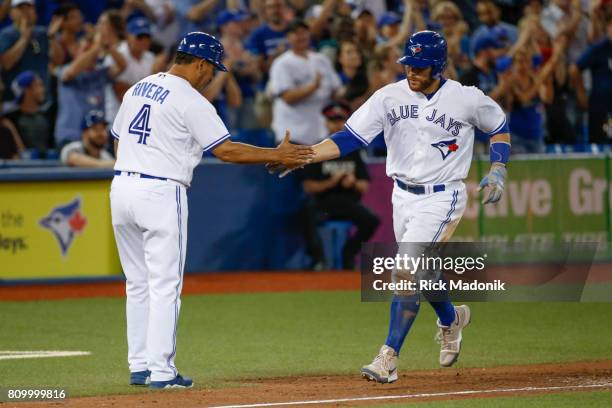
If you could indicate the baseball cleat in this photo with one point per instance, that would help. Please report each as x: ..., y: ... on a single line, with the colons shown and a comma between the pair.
x: 176, y: 382
x: 384, y: 367
x: 450, y: 337
x: 140, y: 377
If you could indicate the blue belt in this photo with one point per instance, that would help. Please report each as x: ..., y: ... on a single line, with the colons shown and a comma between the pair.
x: 142, y: 175
x: 416, y: 189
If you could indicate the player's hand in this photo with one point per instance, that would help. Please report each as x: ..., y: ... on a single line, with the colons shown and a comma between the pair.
x: 291, y: 155
x: 493, y: 183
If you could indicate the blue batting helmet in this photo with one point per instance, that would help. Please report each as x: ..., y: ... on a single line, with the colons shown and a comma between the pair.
x: 204, y: 46
x: 426, y: 49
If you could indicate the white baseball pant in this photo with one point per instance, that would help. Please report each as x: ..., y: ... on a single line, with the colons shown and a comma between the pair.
x: 150, y: 223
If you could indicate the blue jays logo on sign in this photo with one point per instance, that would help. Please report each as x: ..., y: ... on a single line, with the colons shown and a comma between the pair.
x: 446, y: 147
x: 65, y: 221
x: 415, y: 49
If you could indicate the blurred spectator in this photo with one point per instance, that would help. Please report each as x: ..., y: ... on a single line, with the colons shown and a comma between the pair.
x: 597, y: 21
x: 24, y: 46
x: 31, y: 118
x: 366, y: 32
x: 482, y: 74
x: 224, y: 92
x: 394, y: 30
x: 137, y: 8
x: 302, y: 83
x: 564, y: 17
x: 388, y: 26
x: 71, y: 27
x: 198, y: 15
x: 511, y: 10
x: 5, y: 9
x: 244, y: 67
x: 140, y: 62
x: 530, y: 88
x: 336, y: 187
x: 267, y: 42
x: 166, y: 27
x: 82, y: 82
x: 352, y: 70
x: 11, y: 144
x: 489, y: 16
x: 325, y: 20
x: 384, y: 69
x: 597, y: 59
x: 270, y: 40
x: 376, y: 7
x: 455, y: 30
x: 90, y: 151
x: 533, y: 8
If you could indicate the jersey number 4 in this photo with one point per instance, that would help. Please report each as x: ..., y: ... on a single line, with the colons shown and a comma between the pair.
x: 140, y: 124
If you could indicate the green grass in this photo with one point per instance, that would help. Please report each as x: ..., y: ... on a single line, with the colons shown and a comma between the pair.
x: 562, y: 400
x: 225, y: 337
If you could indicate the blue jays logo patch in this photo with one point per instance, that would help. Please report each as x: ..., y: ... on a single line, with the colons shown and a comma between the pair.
x: 65, y: 221
x: 446, y: 147
x: 415, y: 49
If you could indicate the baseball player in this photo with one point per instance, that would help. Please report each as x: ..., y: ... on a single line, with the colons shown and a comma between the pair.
x: 162, y: 127
x: 428, y: 123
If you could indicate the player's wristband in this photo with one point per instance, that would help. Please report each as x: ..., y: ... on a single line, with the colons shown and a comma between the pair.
x: 346, y: 142
x: 500, y: 152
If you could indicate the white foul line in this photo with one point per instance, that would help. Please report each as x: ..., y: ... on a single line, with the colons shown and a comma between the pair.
x: 437, y: 394
x: 14, y: 355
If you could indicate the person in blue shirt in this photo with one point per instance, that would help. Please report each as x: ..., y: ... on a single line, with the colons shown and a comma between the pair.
x: 198, y: 15
x: 82, y: 83
x: 489, y: 15
x: 25, y: 46
x: 269, y: 40
x: 598, y: 60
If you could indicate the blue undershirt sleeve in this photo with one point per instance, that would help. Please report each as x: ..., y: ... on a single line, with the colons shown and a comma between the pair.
x: 346, y: 142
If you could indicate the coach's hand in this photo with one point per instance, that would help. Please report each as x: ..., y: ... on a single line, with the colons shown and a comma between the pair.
x: 291, y: 155
x: 494, y: 183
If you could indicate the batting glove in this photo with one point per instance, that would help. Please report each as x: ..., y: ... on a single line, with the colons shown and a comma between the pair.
x: 495, y: 182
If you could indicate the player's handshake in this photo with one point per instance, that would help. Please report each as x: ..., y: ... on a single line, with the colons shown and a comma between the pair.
x: 290, y: 156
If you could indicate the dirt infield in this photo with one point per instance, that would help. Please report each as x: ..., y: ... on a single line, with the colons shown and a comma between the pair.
x: 200, y: 283
x: 442, y: 384
x: 294, y: 281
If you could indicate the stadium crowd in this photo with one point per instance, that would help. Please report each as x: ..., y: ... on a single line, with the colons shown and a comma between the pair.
x: 66, y: 65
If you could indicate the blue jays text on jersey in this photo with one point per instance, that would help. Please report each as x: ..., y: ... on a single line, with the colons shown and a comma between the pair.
x: 412, y: 111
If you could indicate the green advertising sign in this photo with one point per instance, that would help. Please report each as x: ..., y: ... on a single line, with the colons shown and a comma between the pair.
x: 547, y: 199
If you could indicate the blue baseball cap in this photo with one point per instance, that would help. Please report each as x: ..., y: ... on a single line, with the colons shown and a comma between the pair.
x: 139, y: 26
x: 486, y: 41
x: 389, y: 18
x: 503, y: 63
x: 22, y: 82
x: 92, y: 118
x: 227, y: 16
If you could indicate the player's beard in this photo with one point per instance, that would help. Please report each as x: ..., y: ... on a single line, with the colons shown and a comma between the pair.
x: 422, y: 84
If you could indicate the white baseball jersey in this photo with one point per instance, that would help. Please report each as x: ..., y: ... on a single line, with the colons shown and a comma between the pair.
x: 304, y: 119
x: 429, y: 140
x: 163, y: 127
